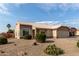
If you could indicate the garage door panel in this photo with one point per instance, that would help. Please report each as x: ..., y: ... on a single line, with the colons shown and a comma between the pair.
x: 62, y: 34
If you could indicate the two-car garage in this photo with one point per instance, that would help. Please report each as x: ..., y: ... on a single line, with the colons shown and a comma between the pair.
x: 61, y: 32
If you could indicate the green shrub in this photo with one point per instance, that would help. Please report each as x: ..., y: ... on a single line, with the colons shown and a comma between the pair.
x: 41, y: 37
x: 53, y: 50
x: 10, y: 31
x: 3, y: 40
x: 78, y: 44
x: 28, y: 37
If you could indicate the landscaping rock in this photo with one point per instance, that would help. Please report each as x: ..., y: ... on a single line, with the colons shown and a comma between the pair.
x: 2, y: 51
x: 35, y: 43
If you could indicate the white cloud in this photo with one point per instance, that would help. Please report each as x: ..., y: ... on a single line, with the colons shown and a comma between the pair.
x: 49, y: 22
x: 63, y: 6
x: 71, y: 22
x: 48, y: 7
x: 4, y: 9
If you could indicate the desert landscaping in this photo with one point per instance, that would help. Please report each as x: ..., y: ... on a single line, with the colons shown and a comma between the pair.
x: 21, y: 47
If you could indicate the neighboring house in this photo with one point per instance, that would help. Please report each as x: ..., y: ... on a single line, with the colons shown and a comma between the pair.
x: 72, y: 31
x: 51, y: 31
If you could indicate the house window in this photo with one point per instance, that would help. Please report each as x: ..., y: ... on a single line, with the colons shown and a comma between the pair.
x: 25, y: 32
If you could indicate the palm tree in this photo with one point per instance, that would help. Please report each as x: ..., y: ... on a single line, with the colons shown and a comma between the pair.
x: 8, y: 26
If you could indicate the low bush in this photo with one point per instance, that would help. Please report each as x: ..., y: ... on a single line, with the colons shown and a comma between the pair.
x: 28, y: 37
x: 8, y: 35
x: 40, y: 37
x: 78, y: 43
x: 53, y: 50
x: 3, y: 40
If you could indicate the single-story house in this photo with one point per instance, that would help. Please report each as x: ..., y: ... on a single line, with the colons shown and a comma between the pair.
x: 53, y: 31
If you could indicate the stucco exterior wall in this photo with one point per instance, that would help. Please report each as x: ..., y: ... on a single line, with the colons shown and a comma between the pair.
x: 77, y: 32
x: 49, y: 33
x: 17, y: 31
x: 54, y: 33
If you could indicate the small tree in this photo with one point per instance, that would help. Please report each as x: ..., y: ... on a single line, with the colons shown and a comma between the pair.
x: 8, y: 26
x: 40, y: 37
x: 9, y: 30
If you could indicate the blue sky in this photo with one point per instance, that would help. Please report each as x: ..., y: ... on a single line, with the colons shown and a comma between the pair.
x: 55, y: 13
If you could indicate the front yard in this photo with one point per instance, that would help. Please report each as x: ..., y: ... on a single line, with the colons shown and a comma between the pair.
x: 17, y: 47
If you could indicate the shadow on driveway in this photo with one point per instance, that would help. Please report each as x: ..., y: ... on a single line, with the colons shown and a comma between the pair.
x: 10, y: 42
x: 49, y: 41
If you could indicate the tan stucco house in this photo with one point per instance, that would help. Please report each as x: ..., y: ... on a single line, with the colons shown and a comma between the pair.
x: 51, y: 31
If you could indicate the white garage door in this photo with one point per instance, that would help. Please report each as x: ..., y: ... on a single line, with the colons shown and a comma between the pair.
x: 62, y: 34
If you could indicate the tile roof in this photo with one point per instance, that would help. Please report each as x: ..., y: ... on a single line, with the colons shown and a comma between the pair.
x: 41, y: 25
